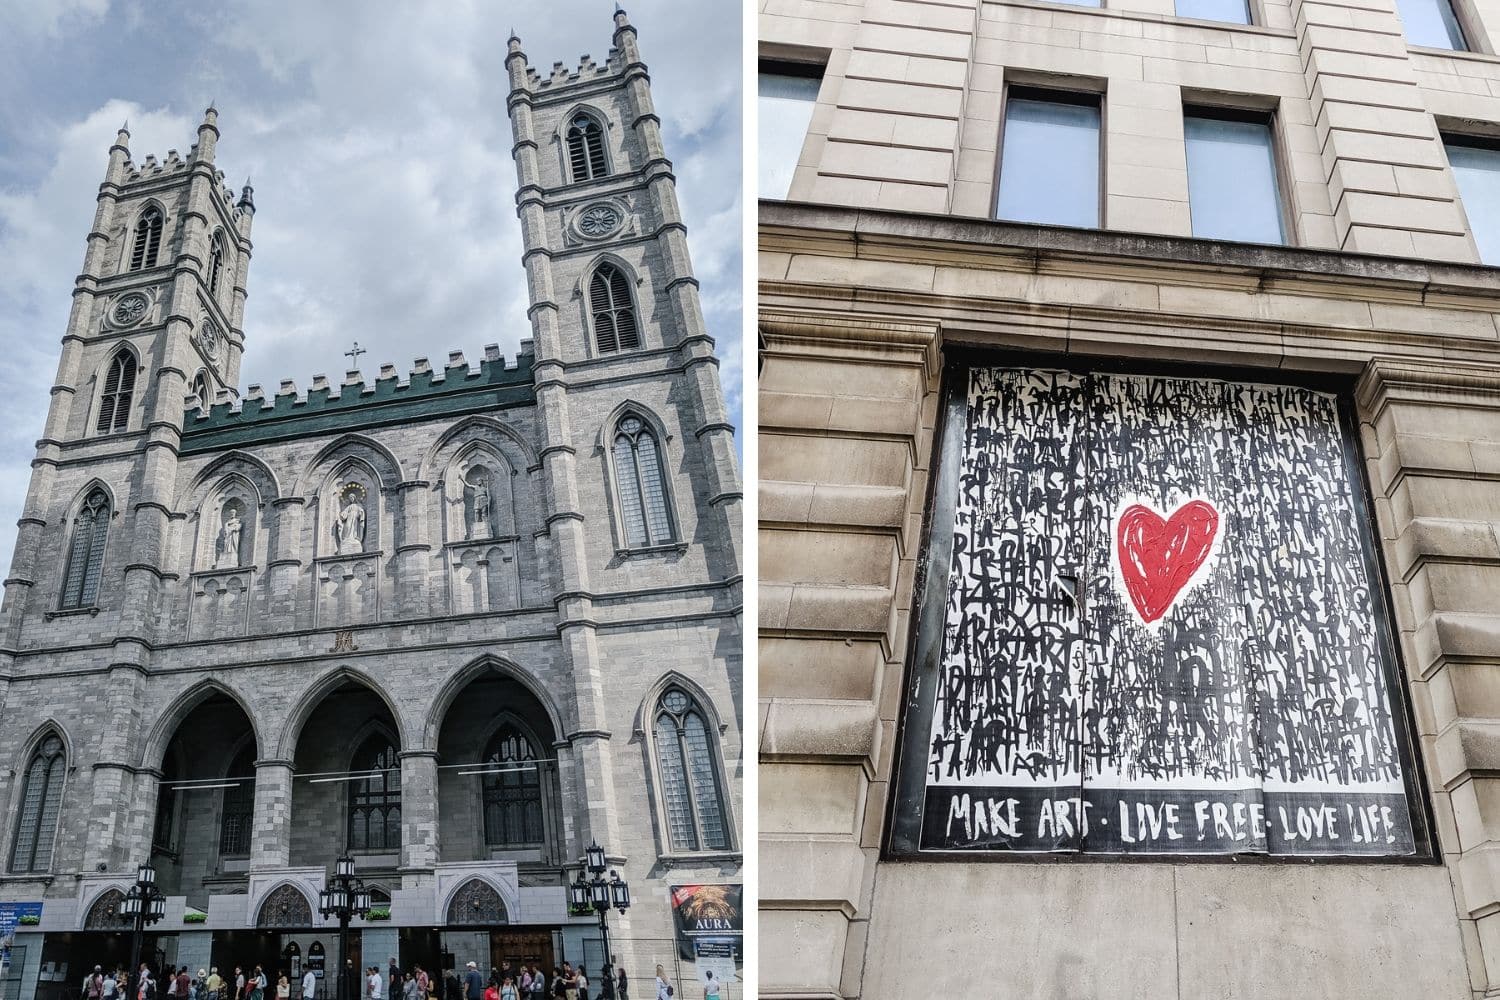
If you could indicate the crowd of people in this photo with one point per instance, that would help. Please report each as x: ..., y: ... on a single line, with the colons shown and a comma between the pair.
x: 523, y: 982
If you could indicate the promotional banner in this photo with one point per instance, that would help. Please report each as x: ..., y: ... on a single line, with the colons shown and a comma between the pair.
x: 1160, y: 633
x: 708, y: 917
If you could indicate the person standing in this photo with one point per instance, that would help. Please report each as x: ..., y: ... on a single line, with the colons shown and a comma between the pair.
x: 283, y: 987
x: 711, y: 989
x: 239, y: 983
x: 309, y: 985
x: 663, y: 988
x: 146, y: 990
x: 582, y: 979
x: 184, y: 984
x: 376, y: 987
x: 622, y: 984
x: 393, y: 979
x: 473, y: 982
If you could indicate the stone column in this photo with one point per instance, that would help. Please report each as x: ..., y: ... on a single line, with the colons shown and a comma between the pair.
x: 420, y: 848
x: 284, y: 567
x: 271, y: 827
x: 413, y: 550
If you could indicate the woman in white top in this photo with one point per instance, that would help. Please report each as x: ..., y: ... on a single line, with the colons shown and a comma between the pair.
x: 663, y: 991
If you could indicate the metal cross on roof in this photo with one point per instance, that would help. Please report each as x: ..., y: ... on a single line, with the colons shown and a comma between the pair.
x: 353, y: 355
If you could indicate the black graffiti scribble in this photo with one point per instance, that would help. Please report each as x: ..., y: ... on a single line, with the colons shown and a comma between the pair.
x: 1267, y: 667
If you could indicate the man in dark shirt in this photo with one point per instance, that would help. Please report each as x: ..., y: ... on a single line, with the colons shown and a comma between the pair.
x: 473, y: 983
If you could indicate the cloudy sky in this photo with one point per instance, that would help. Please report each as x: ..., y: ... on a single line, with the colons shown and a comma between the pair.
x: 377, y: 138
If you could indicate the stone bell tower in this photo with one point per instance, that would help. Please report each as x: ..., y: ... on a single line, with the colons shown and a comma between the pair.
x: 620, y: 341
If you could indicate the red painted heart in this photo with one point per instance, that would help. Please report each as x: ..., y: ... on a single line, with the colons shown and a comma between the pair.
x: 1157, y: 557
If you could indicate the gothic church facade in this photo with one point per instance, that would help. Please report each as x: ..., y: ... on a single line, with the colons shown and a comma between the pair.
x: 460, y: 623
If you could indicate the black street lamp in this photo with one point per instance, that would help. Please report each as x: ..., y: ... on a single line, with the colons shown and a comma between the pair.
x: 144, y: 904
x: 602, y: 894
x: 344, y: 897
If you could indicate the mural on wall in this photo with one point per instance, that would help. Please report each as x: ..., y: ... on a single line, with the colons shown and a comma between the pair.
x: 1160, y: 633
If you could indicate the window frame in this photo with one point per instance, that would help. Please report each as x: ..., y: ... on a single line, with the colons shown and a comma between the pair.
x: 615, y: 480
x: 218, y: 264
x: 600, y: 122
x: 143, y: 242
x: 32, y: 756
x: 243, y: 751
x: 1469, y: 28
x: 900, y: 838
x: 1082, y: 92
x: 655, y: 709
x: 1270, y: 117
x: 492, y: 785
x: 360, y: 802
x: 1253, y: 11
x: 104, y: 515
x: 610, y: 265
x: 131, y: 370
x: 811, y: 67
x: 1469, y: 140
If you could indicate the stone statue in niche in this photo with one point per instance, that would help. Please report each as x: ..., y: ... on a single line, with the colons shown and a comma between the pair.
x: 480, y: 525
x: 349, y: 526
x: 227, y: 545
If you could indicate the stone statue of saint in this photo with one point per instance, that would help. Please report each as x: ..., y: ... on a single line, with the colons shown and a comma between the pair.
x: 481, y: 525
x: 349, y: 529
x: 228, y: 555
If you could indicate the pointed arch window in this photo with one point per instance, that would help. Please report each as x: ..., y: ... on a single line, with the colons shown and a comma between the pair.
x: 147, y: 239
x: 238, y: 814
x: 586, y: 149
x: 119, y: 390
x: 41, y: 801
x: 164, y: 834
x: 642, y: 484
x: 216, y: 255
x: 689, y: 768
x: 86, y: 552
x: 200, y: 388
x: 375, y: 800
x: 512, y: 791
x: 615, y: 325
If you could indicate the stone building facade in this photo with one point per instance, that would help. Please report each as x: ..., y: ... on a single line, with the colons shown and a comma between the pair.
x: 888, y: 277
x: 460, y: 621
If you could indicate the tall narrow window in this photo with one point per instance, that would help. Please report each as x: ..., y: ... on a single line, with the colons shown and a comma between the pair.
x: 689, y: 775
x: 147, y: 239
x: 164, y: 834
x: 615, y: 326
x: 1229, y: 11
x: 1432, y: 23
x: 86, y: 552
x: 1232, y: 187
x: 1476, y: 169
x: 119, y: 389
x: 215, y: 262
x: 512, y: 792
x: 586, y: 149
x: 787, y: 93
x: 238, y: 816
x: 375, y: 800
x: 1049, y: 159
x: 642, y: 486
x: 200, y: 388
x: 41, y: 800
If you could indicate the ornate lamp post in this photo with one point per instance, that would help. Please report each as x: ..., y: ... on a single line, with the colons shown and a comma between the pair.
x: 602, y: 894
x: 344, y: 897
x: 144, y: 904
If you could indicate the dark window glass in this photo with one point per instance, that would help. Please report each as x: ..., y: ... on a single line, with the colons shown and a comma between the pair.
x: 689, y: 771
x: 147, y: 239
x: 643, y: 491
x: 41, y: 801
x: 375, y: 801
x: 615, y: 326
x: 1232, y: 185
x: 1476, y: 169
x: 586, y: 149
x: 1049, y: 159
x: 238, y: 820
x: 119, y: 390
x: 215, y: 263
x: 164, y: 836
x: 86, y: 552
x: 512, y: 792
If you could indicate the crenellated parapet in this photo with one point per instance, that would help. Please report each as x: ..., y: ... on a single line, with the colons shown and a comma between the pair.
x: 453, y: 388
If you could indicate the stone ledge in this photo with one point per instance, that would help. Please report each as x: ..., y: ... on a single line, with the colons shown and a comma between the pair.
x: 808, y: 873
x: 806, y: 729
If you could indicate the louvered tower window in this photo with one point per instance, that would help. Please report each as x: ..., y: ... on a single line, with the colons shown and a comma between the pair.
x: 200, y: 388
x: 586, y: 149
x: 147, y: 239
x: 41, y: 800
x: 216, y: 263
x: 86, y: 553
x: 375, y: 801
x: 615, y: 326
x: 689, y: 770
x: 239, y: 805
x: 119, y: 388
x: 642, y: 486
x: 513, y: 793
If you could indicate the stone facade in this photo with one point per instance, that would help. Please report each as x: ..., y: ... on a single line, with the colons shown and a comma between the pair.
x: 421, y: 559
x: 883, y: 263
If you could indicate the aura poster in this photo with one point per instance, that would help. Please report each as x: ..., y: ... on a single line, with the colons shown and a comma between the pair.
x: 1160, y: 633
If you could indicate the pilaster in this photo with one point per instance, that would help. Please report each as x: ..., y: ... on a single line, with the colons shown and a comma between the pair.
x: 271, y: 827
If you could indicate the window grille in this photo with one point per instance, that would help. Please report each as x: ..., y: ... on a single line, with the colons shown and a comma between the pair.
x: 642, y: 486
x: 689, y: 770
x: 615, y: 326
x: 86, y: 553
x: 119, y: 389
x: 375, y: 802
x: 586, y: 149
x: 147, y: 239
x: 41, y: 800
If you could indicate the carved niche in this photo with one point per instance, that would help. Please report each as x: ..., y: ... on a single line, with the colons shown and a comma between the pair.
x: 105, y: 914
x: 477, y: 902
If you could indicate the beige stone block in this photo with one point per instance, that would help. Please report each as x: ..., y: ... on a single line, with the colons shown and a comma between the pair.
x: 1134, y: 119
x: 1147, y: 151
x: 1454, y: 247
x: 983, y: 283
x: 857, y: 505
x: 1313, y: 197
x: 1148, y: 215
x: 844, y: 558
x: 1431, y: 538
x: 1387, y: 149
x: 1433, y: 320
x: 1075, y: 290
x: 899, y: 197
x: 1425, y: 182
x: 801, y: 952
x: 929, y: 133
x: 977, y: 167
x: 973, y: 199
x: 879, y: 274
x: 1380, y: 121
x: 1059, y: 59
x: 1438, y: 496
x: 1316, y: 231
x: 1374, y: 239
x: 1464, y: 747
x: 901, y: 98
x: 1315, y: 310
x: 862, y: 126
x: 841, y: 190
x: 836, y: 460
x: 944, y: 16
x: 810, y: 799
x: 1134, y: 180
x: 1144, y: 95
x: 848, y: 610
x: 1360, y: 42
x: 887, y: 163
x: 1360, y: 90
x: 796, y: 869
x: 826, y: 669
x: 794, y: 410
x: 772, y: 266
x: 1403, y: 213
x: 913, y: 41
x: 1462, y: 587
x: 785, y: 502
x: 865, y: 64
